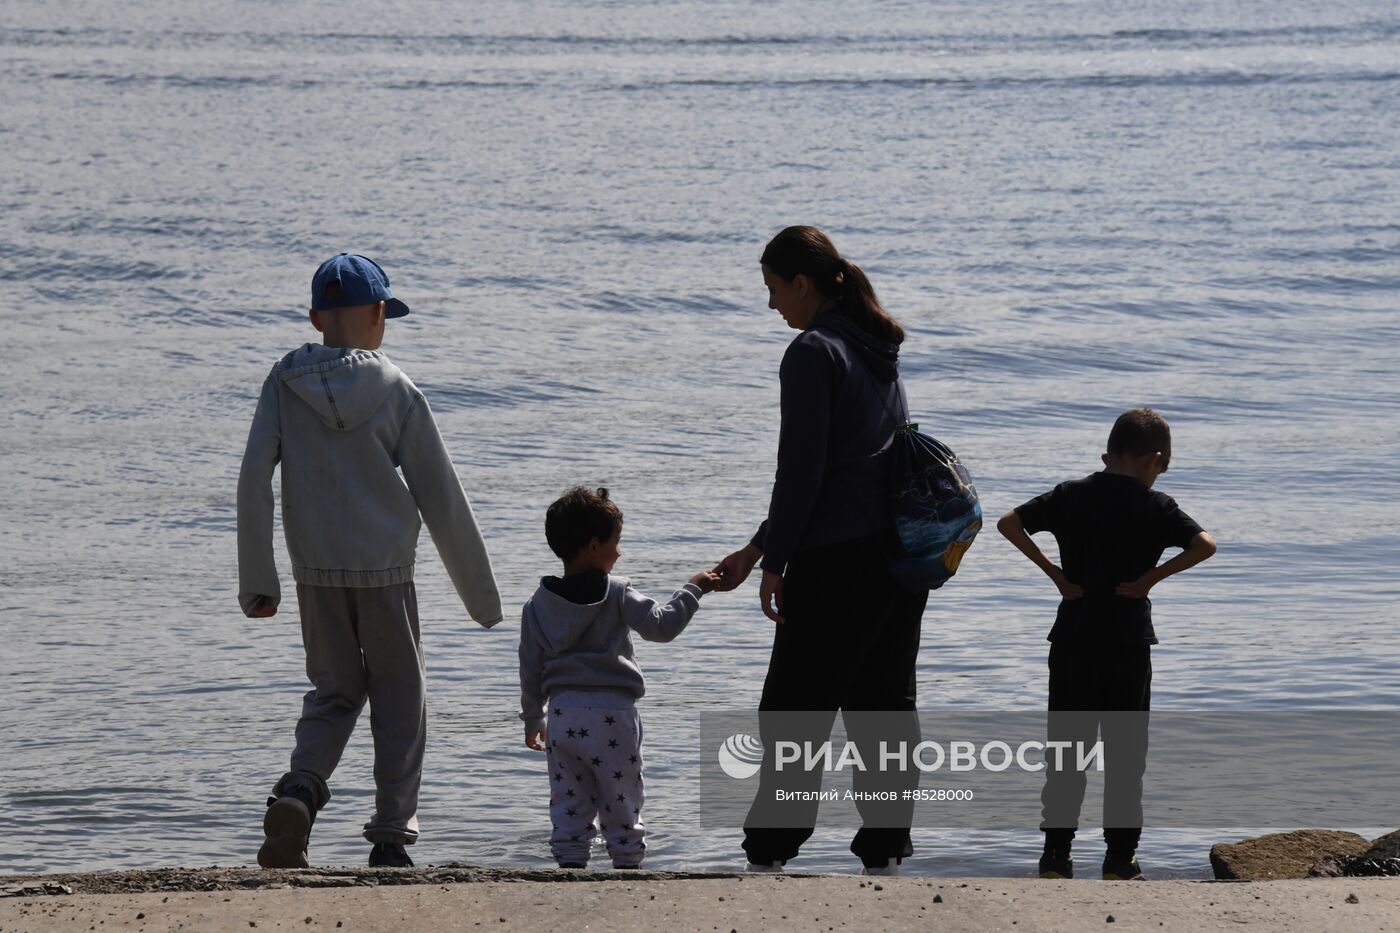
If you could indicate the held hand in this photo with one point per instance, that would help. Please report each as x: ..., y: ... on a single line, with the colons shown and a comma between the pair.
x: 264, y: 608
x: 1139, y: 588
x: 1067, y: 589
x: 735, y: 568
x: 706, y: 581
x: 771, y: 592
x: 535, y: 738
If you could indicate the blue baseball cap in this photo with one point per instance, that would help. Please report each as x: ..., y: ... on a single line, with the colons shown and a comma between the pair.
x: 361, y: 282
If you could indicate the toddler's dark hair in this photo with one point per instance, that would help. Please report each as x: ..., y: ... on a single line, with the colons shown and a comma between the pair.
x: 579, y: 516
x: 1138, y: 432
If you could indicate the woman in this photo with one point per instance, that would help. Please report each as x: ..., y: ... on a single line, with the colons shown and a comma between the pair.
x: 848, y: 635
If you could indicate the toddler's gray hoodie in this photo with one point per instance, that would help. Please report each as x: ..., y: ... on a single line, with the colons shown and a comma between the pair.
x: 587, y: 647
x: 342, y: 423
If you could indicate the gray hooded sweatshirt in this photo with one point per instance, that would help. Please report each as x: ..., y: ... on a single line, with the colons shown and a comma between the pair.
x: 342, y: 423
x: 585, y: 649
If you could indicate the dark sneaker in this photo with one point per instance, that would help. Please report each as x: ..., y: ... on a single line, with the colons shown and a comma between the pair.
x: 572, y: 865
x: 1118, y: 868
x: 389, y: 855
x: 1056, y: 864
x: 287, y: 828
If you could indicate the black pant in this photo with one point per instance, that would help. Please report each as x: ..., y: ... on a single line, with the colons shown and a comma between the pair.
x: 1092, y: 688
x: 850, y: 642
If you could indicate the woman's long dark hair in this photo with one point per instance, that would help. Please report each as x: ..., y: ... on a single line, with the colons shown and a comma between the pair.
x: 807, y: 251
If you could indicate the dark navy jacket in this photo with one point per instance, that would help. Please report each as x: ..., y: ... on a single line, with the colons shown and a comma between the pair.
x: 841, y: 401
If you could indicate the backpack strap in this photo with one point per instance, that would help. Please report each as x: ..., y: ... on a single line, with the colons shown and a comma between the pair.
x: 900, y: 422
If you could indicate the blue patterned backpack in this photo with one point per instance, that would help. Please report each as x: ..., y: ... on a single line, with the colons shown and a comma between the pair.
x: 936, y: 512
x: 935, y: 506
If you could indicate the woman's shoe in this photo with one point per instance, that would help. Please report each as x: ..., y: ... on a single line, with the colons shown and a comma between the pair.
x: 891, y: 867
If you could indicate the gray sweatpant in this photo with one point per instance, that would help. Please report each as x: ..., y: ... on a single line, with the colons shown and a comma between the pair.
x: 595, y: 771
x: 363, y: 643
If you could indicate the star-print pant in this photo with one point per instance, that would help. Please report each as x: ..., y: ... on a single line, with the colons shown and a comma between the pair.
x: 595, y: 771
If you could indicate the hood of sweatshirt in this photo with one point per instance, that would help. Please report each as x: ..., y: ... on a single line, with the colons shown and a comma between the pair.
x: 344, y: 386
x: 586, y: 586
x: 561, y: 622
x: 881, y: 356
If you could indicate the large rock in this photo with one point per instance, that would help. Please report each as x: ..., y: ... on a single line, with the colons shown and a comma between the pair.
x: 1381, y: 860
x: 1358, y: 867
x: 1282, y: 855
x: 1386, y: 847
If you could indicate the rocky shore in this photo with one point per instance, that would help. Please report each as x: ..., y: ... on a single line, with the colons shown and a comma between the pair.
x: 465, y: 897
x: 1307, y: 853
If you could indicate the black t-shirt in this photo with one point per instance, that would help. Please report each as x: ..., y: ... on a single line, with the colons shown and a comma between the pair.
x: 1111, y: 529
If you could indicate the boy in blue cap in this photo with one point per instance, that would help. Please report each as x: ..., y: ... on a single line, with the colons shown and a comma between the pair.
x: 343, y: 422
x: 1112, y: 528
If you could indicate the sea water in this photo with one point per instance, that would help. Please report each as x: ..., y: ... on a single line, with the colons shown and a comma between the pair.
x: 1074, y: 208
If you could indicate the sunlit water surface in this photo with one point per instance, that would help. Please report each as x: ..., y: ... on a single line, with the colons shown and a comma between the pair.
x: 1074, y: 208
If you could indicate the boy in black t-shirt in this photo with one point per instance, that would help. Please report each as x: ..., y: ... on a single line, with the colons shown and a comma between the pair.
x: 1111, y: 528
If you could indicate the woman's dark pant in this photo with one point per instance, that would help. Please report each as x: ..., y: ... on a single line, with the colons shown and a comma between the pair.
x: 850, y: 642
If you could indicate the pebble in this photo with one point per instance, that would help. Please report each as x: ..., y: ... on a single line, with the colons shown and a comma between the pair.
x: 1109, y: 919
x: 1353, y: 899
x: 938, y: 898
